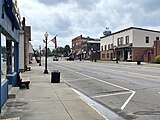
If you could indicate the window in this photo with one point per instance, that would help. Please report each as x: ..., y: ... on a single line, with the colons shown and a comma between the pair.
x: 3, y: 7
x: 103, y: 55
x: 105, y: 47
x: 108, y: 46
x: 120, y: 41
x: 147, y: 39
x: 127, y: 39
x: 102, y: 48
x: 12, y: 51
x: 111, y: 46
x: 157, y: 38
x: 107, y: 55
x: 3, y: 58
x: 121, y: 54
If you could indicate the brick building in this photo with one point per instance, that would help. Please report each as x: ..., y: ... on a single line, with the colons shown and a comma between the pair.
x: 76, y: 46
x: 85, y: 48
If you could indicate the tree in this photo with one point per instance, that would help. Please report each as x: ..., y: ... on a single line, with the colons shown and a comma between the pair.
x: 157, y: 59
x: 49, y: 53
x: 58, y: 51
x: 67, y: 50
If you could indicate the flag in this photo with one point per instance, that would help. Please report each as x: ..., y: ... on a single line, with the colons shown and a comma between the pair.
x: 54, y: 41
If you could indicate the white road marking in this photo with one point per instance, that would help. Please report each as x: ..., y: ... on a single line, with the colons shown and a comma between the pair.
x: 91, y: 105
x: 126, y: 102
x: 98, y: 96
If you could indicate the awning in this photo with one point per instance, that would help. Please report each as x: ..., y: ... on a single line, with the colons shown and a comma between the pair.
x: 124, y: 46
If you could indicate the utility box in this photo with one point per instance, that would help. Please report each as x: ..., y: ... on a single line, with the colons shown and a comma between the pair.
x: 55, y: 76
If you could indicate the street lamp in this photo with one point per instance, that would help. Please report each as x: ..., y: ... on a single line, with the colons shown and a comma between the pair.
x: 40, y: 55
x: 46, y: 36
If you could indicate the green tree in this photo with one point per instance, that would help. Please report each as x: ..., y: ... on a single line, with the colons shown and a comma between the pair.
x: 58, y: 51
x: 49, y: 53
x: 36, y: 53
x: 157, y: 59
x: 67, y: 50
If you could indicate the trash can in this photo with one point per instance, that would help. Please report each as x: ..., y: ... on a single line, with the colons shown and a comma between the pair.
x: 55, y: 76
x: 138, y: 62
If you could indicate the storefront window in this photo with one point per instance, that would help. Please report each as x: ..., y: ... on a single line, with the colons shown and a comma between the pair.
x: 3, y: 58
x: 9, y: 56
x: 12, y: 57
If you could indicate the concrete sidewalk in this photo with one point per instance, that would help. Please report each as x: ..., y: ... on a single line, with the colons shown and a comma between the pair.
x: 46, y: 101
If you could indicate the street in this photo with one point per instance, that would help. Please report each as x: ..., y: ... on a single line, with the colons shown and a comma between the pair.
x: 131, y: 90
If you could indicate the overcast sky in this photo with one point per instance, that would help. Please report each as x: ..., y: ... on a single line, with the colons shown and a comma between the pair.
x: 70, y: 18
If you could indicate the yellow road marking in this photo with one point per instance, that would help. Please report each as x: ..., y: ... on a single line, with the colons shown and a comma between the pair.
x: 139, y: 74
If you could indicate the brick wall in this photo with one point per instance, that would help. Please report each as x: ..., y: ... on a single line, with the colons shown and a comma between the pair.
x: 107, y: 55
x: 149, y: 57
x: 76, y: 44
x: 138, y: 53
x: 156, y: 48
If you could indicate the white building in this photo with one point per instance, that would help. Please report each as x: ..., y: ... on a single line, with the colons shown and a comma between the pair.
x: 130, y: 44
x: 24, y: 46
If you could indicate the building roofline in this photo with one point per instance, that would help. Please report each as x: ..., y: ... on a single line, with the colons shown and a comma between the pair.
x: 93, y: 41
x: 130, y: 29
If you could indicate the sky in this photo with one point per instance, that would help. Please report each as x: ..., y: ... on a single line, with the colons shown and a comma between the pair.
x: 70, y: 18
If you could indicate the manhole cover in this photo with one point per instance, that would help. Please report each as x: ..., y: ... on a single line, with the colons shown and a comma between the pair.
x: 15, y: 104
x: 147, y: 113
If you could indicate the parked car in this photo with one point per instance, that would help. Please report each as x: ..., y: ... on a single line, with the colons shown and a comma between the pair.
x: 55, y: 58
x: 70, y: 59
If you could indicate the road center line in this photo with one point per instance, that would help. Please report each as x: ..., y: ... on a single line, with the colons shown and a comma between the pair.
x: 126, y: 102
x: 98, y: 96
x: 132, y: 73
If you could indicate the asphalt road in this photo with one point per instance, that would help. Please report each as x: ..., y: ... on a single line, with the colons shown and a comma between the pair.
x: 131, y: 90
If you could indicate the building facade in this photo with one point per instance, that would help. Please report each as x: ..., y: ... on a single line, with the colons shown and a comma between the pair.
x: 86, y: 48
x: 131, y: 44
x: 90, y: 49
x: 9, y: 40
x: 76, y: 46
x: 24, y: 45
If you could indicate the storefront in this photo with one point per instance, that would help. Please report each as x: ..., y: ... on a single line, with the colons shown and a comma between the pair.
x: 9, y: 40
x: 124, y: 52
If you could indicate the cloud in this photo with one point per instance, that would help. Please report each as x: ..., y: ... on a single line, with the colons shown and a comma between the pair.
x: 70, y: 18
x: 149, y: 5
x: 53, y: 2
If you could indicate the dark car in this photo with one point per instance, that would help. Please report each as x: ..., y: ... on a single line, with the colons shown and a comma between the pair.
x: 55, y: 59
x: 70, y: 59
